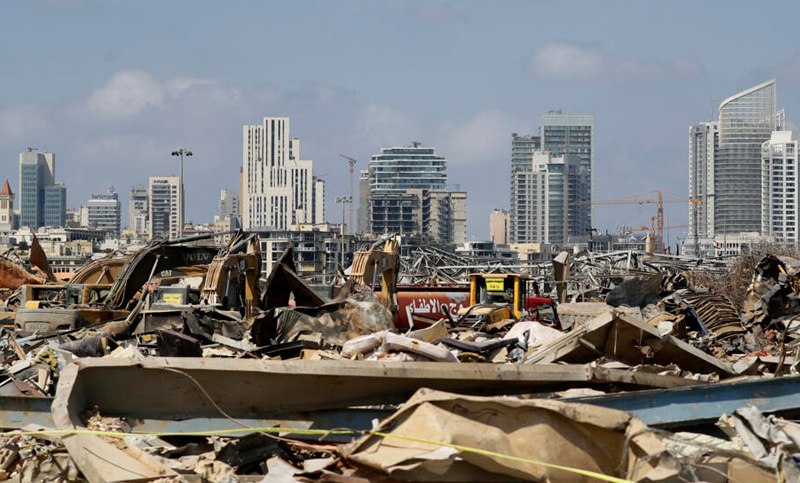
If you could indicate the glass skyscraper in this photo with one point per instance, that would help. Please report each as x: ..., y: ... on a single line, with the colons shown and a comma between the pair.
x: 564, y: 133
x: 405, y: 168
x: 746, y: 121
x: 43, y: 202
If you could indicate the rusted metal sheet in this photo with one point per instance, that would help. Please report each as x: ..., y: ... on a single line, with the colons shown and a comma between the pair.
x: 716, y: 313
x: 14, y: 276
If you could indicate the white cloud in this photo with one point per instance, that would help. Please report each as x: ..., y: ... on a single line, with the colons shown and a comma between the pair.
x: 377, y: 125
x: 132, y: 92
x: 435, y: 12
x: 479, y: 140
x: 22, y: 123
x: 566, y: 61
x: 127, y: 93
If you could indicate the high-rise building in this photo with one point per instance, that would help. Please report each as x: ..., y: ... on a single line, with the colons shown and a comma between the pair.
x: 498, y: 225
x: 406, y: 168
x: 703, y: 152
x: 55, y: 205
x: 444, y: 215
x: 278, y: 187
x: 104, y: 212
x: 563, y: 133
x: 540, y: 212
x: 746, y: 121
x: 522, y: 149
x: 40, y: 197
x: 139, y: 209
x: 7, y: 208
x: 318, y: 200
x: 725, y: 167
x: 363, y: 201
x: 404, y: 191
x: 164, y: 208
x: 780, y: 187
x: 228, y: 205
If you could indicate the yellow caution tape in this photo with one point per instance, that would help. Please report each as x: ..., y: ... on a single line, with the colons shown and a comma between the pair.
x: 321, y: 432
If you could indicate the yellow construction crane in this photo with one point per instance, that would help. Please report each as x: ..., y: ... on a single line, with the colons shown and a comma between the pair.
x: 352, y: 162
x: 657, y: 220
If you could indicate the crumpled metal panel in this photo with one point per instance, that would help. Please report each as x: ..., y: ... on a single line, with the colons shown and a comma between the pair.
x: 717, y: 313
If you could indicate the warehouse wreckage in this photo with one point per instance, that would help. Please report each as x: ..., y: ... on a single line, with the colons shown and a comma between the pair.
x: 176, y: 363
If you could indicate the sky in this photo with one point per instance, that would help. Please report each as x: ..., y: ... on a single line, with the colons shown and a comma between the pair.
x: 113, y: 87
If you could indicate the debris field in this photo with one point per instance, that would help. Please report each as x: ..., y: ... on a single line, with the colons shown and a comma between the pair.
x: 182, y: 362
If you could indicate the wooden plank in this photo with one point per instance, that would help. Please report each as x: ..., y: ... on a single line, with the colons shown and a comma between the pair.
x: 17, y: 349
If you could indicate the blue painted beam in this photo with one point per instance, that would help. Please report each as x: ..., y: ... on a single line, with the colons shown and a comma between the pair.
x: 692, y: 405
x: 18, y: 411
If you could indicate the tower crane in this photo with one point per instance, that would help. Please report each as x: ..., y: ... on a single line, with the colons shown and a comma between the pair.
x: 658, y: 219
x: 352, y: 162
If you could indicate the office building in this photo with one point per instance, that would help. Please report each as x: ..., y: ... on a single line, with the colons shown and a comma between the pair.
x: 725, y: 163
x: 279, y: 189
x: 43, y: 202
x: 164, y: 207
x: 573, y: 134
x: 541, y: 197
x: 104, y: 212
x: 746, y: 121
x: 404, y: 191
x: 499, y: 221
x: 779, y: 187
x: 55, y: 205
x: 139, y: 209
x: 7, y: 222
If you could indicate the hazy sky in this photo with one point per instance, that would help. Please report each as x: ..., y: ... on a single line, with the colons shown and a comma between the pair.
x: 112, y: 87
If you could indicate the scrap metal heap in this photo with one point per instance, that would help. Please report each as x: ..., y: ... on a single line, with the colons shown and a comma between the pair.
x: 177, y: 363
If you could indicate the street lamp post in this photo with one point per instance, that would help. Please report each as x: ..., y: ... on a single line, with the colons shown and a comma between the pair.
x: 181, y: 152
x: 344, y: 200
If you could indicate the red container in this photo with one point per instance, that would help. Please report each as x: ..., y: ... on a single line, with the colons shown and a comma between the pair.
x: 429, y: 301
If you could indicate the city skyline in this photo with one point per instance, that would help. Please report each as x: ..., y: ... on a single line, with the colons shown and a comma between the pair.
x: 122, y: 106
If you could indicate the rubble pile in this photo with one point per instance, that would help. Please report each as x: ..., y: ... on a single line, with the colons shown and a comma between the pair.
x: 180, y: 363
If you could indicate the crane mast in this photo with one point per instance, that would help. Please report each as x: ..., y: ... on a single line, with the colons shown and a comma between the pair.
x: 352, y: 162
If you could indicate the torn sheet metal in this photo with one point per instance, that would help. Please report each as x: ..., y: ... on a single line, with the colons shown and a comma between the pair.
x: 13, y: 276
x: 773, y: 292
x: 577, y: 436
x: 620, y: 337
x: 636, y: 291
